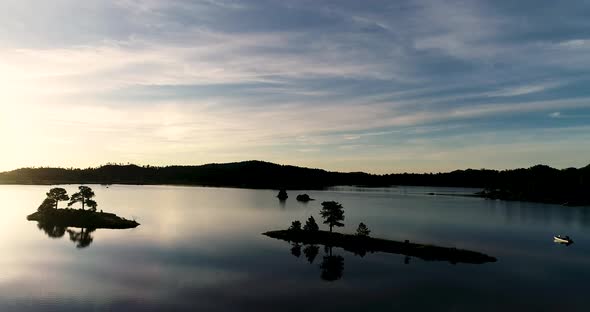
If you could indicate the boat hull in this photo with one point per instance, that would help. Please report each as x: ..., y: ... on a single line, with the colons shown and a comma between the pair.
x: 562, y: 240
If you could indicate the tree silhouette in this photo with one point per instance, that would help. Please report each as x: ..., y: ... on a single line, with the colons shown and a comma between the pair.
x: 333, y: 213
x: 91, y: 204
x: 295, y: 226
x: 47, y: 205
x: 311, y: 225
x: 310, y: 252
x: 58, y: 194
x: 362, y: 230
x: 84, y: 196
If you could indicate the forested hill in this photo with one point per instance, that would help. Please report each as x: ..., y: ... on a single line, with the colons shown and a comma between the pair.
x: 538, y: 183
x: 254, y: 174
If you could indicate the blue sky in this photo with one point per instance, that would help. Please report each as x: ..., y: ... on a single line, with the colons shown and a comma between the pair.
x: 377, y: 86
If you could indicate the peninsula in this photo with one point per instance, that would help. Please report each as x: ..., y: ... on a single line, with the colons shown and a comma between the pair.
x: 361, y: 245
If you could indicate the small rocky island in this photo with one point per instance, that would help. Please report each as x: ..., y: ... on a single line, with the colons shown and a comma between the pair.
x: 304, y: 198
x: 282, y: 195
x: 49, y: 213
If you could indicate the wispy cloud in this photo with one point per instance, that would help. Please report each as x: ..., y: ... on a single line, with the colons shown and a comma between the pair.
x: 525, y: 89
x: 214, y: 80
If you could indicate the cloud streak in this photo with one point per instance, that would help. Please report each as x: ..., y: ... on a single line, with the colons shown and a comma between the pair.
x: 160, y: 82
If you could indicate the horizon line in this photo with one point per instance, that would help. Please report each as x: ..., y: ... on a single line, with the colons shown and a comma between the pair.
x: 274, y: 163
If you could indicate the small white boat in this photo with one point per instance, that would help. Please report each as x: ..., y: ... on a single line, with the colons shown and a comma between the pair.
x: 562, y: 239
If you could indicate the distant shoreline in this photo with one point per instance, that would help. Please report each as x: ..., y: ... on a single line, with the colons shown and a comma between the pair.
x: 535, y: 184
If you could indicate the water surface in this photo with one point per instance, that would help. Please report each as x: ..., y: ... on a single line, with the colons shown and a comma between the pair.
x: 201, y: 248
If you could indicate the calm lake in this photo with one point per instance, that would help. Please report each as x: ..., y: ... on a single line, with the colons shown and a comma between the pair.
x: 200, y: 248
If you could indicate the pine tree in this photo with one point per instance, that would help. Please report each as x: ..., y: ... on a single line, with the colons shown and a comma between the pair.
x: 84, y: 196
x: 57, y: 194
x: 362, y: 230
x: 333, y: 213
x: 295, y: 226
x: 311, y: 225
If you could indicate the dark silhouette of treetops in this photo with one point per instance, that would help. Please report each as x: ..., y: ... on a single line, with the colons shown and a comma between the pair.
x: 362, y: 230
x: 538, y: 183
x: 57, y: 194
x: 311, y: 225
x: 333, y: 213
x: 295, y: 226
x: 48, y: 204
x: 84, y: 196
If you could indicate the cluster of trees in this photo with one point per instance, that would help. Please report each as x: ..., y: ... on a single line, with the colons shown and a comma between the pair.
x: 332, y: 266
x: 84, y: 196
x: 333, y: 214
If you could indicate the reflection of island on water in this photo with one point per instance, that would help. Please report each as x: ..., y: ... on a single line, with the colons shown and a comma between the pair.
x: 81, y: 236
x: 332, y: 266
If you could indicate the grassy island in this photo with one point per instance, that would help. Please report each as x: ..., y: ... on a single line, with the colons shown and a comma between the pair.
x: 82, y: 219
x: 363, y: 244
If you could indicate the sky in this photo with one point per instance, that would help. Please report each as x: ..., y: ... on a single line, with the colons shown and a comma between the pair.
x: 375, y: 86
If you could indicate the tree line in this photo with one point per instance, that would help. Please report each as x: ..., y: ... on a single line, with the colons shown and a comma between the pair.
x: 538, y: 183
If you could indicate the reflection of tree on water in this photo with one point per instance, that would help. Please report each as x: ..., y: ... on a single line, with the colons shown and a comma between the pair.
x: 52, y: 230
x: 282, y: 204
x: 332, y: 267
x: 310, y: 252
x: 83, y: 238
x: 296, y: 250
